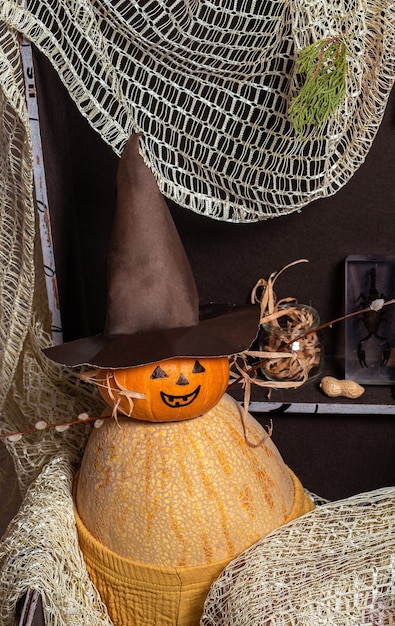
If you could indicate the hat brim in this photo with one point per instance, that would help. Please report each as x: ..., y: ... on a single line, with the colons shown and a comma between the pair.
x: 221, y: 331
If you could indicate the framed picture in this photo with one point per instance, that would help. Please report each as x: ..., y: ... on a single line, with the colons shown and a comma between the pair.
x: 370, y: 336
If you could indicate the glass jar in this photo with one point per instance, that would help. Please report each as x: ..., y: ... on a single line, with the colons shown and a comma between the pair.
x: 292, y: 337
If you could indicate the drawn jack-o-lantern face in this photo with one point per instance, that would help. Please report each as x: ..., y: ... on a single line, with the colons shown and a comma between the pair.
x: 166, y: 391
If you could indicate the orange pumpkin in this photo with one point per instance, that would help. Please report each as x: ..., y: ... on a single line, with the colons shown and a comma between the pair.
x: 166, y: 391
x: 186, y: 493
x: 161, y: 509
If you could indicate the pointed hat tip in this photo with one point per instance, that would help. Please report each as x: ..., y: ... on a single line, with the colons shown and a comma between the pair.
x: 151, y: 284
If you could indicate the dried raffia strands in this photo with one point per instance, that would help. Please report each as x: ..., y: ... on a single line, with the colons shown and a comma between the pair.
x: 304, y: 352
x: 334, y: 566
x: 288, y: 354
x: 107, y: 381
x: 290, y: 368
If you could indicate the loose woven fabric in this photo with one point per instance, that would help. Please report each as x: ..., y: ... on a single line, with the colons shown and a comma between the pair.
x: 41, y: 551
x: 218, y: 78
x: 334, y: 566
x: 210, y: 84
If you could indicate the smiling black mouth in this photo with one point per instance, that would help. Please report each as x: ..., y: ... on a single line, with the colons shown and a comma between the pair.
x: 175, y: 402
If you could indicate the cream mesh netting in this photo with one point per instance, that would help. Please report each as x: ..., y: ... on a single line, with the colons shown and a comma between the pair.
x: 41, y: 548
x: 334, y: 566
x: 210, y: 83
x: 228, y: 77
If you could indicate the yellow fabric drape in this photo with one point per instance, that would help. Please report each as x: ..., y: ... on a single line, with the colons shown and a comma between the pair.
x: 137, y: 594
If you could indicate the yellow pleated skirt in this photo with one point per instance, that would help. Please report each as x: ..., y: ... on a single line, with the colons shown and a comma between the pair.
x: 137, y: 594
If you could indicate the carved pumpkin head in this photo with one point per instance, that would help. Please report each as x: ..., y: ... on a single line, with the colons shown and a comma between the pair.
x: 166, y: 391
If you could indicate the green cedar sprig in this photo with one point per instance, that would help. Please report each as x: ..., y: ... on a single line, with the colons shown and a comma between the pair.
x: 324, y: 64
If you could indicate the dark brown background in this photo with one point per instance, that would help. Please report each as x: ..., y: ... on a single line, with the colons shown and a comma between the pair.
x: 334, y: 455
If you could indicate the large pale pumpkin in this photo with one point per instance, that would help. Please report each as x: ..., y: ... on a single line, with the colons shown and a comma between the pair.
x: 170, y: 390
x: 184, y: 493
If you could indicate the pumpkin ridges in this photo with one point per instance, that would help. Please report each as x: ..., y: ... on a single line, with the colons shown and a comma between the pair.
x: 147, y: 476
x: 246, y: 499
x: 184, y: 469
x: 221, y: 456
x: 213, y: 495
x: 201, y: 534
x: 178, y: 532
x: 256, y: 464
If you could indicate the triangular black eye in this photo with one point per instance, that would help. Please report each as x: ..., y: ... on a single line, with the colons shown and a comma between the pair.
x: 158, y: 373
x: 198, y: 368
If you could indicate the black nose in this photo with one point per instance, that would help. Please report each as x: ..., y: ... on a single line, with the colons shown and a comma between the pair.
x: 182, y: 380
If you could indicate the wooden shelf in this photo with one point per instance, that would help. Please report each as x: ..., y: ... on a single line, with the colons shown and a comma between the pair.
x: 377, y: 399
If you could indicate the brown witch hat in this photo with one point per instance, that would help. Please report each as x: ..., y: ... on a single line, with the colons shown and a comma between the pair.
x: 153, y: 307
